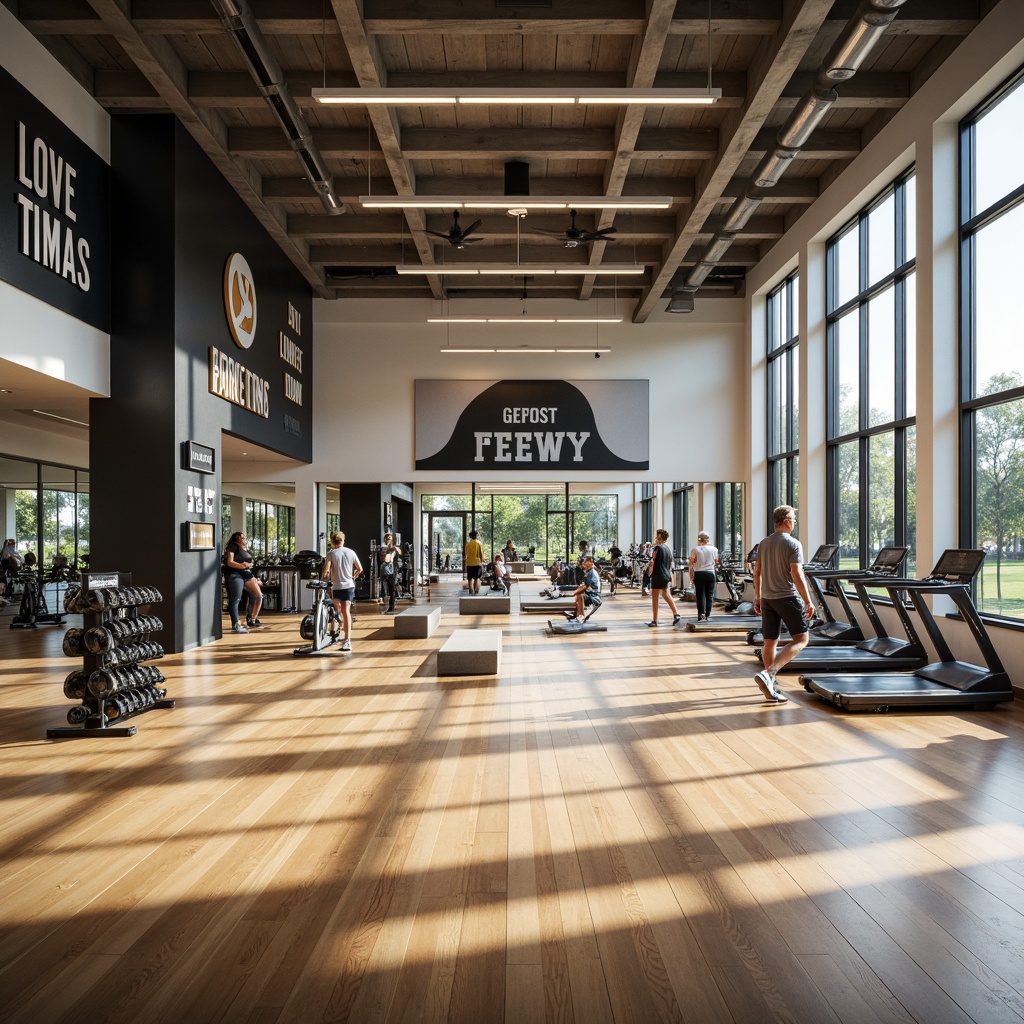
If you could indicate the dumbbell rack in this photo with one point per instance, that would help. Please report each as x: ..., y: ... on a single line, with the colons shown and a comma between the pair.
x: 92, y: 710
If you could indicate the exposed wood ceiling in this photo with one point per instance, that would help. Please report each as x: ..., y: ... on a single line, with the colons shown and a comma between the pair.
x: 176, y: 56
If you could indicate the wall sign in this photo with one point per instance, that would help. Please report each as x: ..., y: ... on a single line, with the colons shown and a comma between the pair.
x: 197, y: 457
x: 54, y: 235
x: 240, y: 300
x: 530, y: 425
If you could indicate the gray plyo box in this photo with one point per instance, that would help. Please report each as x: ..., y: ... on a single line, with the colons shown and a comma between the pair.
x: 417, y: 623
x: 478, y: 605
x: 470, y: 652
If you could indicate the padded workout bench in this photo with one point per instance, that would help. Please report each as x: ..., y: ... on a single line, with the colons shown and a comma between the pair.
x: 481, y: 605
x: 549, y: 606
x: 417, y: 623
x: 470, y: 652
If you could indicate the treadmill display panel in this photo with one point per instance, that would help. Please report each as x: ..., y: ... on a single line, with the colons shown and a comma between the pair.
x: 958, y: 565
x: 888, y: 560
x: 824, y: 554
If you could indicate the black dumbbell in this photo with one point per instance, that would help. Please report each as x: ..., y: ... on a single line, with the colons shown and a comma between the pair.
x: 78, y: 714
x: 73, y: 644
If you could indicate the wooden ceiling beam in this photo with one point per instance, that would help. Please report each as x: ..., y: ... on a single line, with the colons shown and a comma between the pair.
x: 370, y: 70
x: 768, y: 74
x: 157, y: 60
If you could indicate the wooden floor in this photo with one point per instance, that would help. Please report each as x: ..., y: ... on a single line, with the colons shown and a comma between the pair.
x: 618, y: 828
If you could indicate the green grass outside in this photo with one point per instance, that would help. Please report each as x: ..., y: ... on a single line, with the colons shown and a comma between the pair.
x: 1011, y: 587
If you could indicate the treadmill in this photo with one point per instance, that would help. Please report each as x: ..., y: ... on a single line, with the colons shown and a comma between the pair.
x: 882, y: 652
x: 944, y: 683
x: 730, y: 622
x: 887, y: 564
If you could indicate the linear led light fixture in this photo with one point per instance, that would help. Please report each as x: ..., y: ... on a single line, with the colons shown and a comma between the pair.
x: 519, y: 97
x: 579, y: 350
x: 517, y: 202
x: 524, y: 319
x: 519, y: 269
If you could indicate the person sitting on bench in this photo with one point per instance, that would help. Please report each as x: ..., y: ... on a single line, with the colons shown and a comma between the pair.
x: 588, y: 593
x: 500, y: 572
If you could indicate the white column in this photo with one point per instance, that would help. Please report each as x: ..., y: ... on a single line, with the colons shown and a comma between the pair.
x: 812, y: 387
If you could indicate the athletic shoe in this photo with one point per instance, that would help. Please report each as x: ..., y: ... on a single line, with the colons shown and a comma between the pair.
x: 766, y: 684
x: 676, y: 619
x: 346, y: 646
x: 571, y: 616
x: 253, y: 623
x: 240, y: 629
x: 652, y: 623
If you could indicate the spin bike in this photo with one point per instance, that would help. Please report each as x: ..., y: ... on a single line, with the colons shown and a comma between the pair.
x: 322, y: 625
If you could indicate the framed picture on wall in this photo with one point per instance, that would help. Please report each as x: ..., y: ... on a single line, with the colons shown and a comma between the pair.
x: 198, y: 536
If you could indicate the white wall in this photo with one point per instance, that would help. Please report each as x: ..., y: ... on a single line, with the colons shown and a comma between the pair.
x: 366, y: 366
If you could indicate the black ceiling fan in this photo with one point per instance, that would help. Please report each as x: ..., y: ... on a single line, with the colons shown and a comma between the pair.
x: 456, y: 237
x: 574, y: 236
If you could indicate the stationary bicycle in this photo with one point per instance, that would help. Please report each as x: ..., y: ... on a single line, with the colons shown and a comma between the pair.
x: 322, y: 625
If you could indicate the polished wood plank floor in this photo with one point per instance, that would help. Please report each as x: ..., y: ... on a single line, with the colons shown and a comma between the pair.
x: 616, y: 829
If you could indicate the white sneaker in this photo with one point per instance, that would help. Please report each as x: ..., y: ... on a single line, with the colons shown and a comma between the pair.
x: 766, y: 684
x: 240, y: 629
x: 346, y: 646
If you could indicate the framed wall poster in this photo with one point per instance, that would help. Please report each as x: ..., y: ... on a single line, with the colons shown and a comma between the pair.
x: 198, y: 536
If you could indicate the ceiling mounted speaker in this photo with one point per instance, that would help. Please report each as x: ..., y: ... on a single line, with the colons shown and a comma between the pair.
x: 517, y: 178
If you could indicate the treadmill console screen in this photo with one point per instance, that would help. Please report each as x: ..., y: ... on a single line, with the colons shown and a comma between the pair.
x: 888, y: 560
x: 958, y: 565
x: 824, y: 554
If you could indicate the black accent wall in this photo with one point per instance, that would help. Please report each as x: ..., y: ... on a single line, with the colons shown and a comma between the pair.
x: 175, y: 222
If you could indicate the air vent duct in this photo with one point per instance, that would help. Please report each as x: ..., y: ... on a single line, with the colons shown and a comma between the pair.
x: 856, y: 41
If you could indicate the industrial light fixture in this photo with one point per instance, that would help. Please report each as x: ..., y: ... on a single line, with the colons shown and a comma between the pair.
x: 454, y: 202
x: 519, y: 269
x: 356, y: 97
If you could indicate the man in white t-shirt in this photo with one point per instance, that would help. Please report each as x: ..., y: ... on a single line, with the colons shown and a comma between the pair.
x: 342, y: 568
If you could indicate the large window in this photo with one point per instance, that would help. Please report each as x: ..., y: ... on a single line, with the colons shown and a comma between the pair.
x: 535, y: 520
x: 992, y: 364
x: 729, y: 520
x: 270, y: 529
x: 872, y: 452
x: 684, y: 515
x: 783, y: 413
x: 45, y: 508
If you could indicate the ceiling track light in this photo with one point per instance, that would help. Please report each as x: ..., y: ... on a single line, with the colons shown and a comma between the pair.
x: 520, y: 97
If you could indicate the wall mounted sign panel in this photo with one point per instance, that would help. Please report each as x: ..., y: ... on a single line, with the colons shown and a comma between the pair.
x: 531, y: 425
x: 197, y: 536
x: 54, y: 233
x: 198, y: 457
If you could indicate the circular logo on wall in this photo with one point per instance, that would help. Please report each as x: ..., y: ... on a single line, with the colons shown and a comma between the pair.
x: 240, y: 300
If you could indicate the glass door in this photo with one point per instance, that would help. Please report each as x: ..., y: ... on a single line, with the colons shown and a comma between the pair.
x: 446, y: 540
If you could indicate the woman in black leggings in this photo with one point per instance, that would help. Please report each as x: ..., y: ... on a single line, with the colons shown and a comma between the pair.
x: 703, y: 559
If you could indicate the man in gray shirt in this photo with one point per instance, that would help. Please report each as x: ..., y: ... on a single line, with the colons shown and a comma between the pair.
x: 779, y: 585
